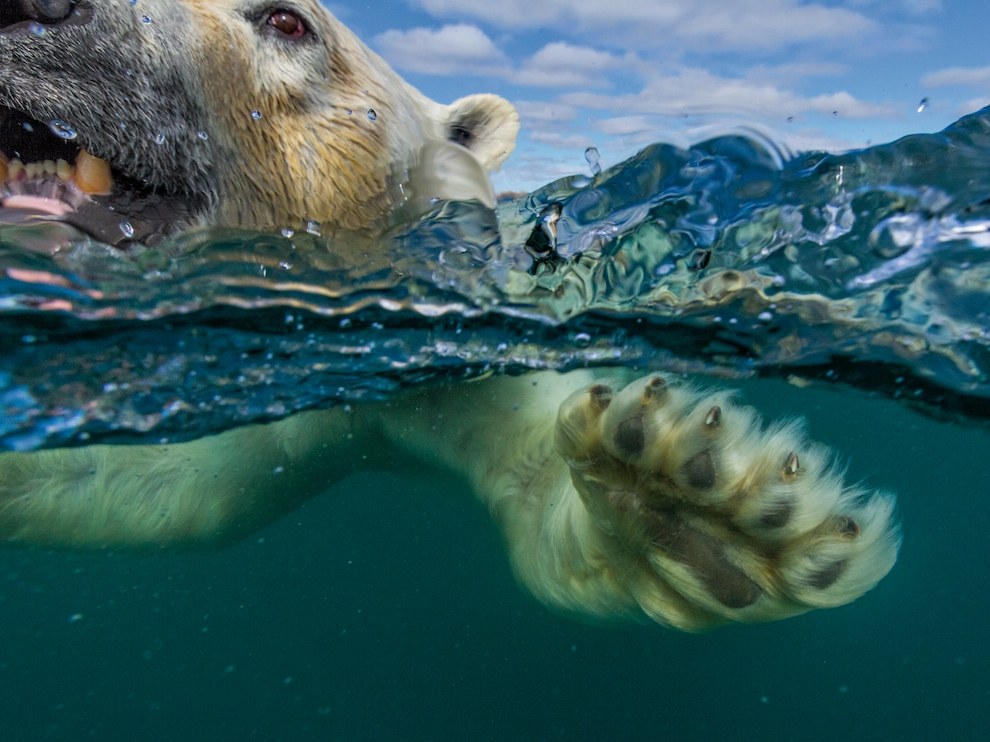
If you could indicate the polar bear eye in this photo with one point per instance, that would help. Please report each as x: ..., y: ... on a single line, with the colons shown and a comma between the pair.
x: 287, y: 23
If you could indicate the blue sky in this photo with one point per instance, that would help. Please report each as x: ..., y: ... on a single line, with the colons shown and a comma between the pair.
x: 619, y: 74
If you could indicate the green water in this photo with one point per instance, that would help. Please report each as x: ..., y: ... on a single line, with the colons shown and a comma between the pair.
x: 385, y: 609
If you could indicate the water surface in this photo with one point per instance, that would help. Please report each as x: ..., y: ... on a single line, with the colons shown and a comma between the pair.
x: 852, y: 289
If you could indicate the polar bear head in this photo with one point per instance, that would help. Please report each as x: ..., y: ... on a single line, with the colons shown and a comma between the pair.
x: 252, y: 113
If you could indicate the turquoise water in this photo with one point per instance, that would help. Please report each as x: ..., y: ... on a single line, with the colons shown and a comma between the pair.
x: 385, y: 608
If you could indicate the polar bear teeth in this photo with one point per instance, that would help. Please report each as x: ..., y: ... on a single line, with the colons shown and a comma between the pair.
x: 90, y: 174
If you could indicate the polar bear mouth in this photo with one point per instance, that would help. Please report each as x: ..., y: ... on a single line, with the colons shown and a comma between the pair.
x: 45, y: 173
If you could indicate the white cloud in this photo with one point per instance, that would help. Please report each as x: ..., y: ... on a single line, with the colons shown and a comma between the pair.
x: 961, y: 76
x: 560, y: 139
x: 557, y: 13
x: 912, y: 7
x: 563, y: 65
x: 972, y: 105
x: 758, y: 26
x: 775, y: 24
x: 545, y: 112
x: 692, y: 91
x: 454, y: 49
x: 626, y: 125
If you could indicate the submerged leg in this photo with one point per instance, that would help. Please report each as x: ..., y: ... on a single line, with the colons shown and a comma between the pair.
x: 211, y: 490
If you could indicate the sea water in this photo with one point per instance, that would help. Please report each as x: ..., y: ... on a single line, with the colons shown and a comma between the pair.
x: 852, y: 289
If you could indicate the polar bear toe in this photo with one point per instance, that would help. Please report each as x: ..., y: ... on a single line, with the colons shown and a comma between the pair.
x: 710, y: 517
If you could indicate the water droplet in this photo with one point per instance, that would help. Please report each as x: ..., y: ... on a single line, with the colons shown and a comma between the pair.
x: 593, y: 159
x: 372, y: 116
x: 922, y: 104
x: 256, y: 115
x: 159, y: 138
x: 127, y: 229
x: 27, y: 126
x: 61, y: 129
x: 202, y: 135
x: 36, y: 28
x: 835, y: 113
x: 146, y: 19
x: 348, y: 111
x: 313, y: 227
x: 134, y: 2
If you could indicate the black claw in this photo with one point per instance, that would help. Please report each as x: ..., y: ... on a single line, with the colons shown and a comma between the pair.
x: 791, y: 467
x: 655, y: 389
x: 846, y: 526
x: 601, y: 396
x: 714, y: 417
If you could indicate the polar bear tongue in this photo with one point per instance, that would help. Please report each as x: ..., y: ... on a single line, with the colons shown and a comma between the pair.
x: 36, y: 204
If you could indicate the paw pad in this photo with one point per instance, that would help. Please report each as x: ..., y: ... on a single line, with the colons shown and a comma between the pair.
x: 717, y: 517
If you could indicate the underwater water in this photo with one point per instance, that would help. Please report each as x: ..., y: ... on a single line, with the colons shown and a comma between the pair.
x: 852, y: 289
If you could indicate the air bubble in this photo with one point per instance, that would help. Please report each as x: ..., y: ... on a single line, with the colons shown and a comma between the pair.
x: 202, y: 135
x: 313, y: 227
x: 256, y: 115
x: 922, y: 104
x: 286, y: 232
x: 61, y: 129
x: 146, y: 19
x: 593, y: 159
x: 127, y: 229
x: 159, y: 138
x: 36, y: 28
x: 372, y: 116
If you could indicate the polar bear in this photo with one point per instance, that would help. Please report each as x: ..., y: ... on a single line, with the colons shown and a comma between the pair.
x: 617, y: 496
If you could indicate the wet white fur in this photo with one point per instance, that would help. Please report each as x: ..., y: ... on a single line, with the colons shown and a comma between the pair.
x: 572, y: 546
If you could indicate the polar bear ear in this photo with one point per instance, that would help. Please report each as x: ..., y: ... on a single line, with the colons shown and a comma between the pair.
x: 486, y: 125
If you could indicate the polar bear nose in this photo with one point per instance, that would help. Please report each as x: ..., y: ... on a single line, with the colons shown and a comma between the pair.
x: 46, y: 12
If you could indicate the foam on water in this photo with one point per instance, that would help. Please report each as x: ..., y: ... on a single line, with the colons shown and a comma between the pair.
x: 867, y: 268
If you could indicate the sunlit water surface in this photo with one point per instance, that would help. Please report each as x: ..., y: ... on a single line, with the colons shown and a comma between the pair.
x: 853, y: 289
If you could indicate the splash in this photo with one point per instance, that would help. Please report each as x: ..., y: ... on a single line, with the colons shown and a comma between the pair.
x: 867, y: 269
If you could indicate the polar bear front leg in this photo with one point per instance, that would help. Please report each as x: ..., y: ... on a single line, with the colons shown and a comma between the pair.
x: 704, y: 517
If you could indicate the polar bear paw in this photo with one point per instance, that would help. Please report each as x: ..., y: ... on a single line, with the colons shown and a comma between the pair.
x: 709, y: 517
